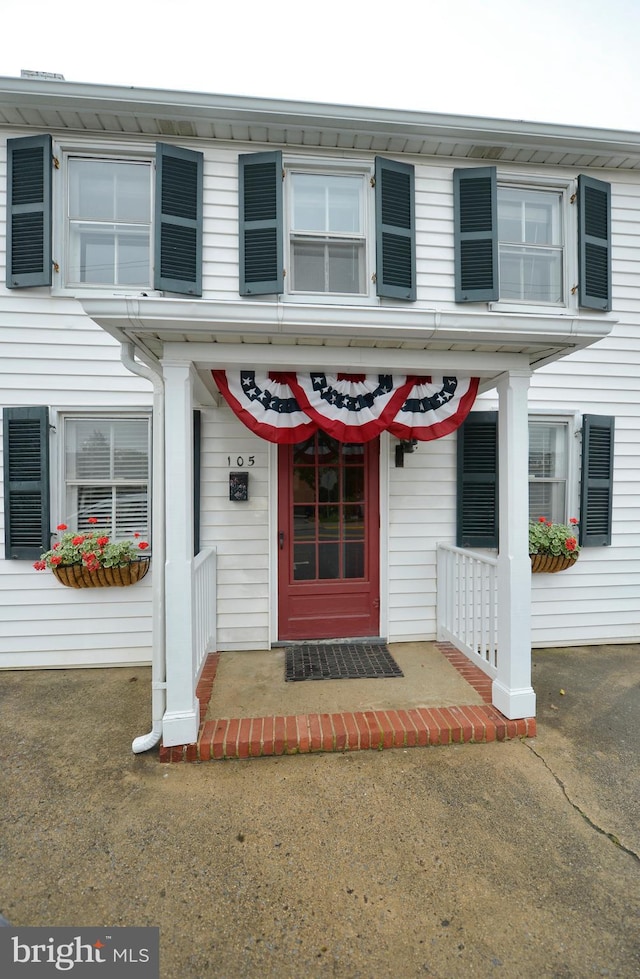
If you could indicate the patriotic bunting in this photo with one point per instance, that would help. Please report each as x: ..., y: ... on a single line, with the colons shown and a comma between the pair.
x: 350, y: 408
x: 434, y: 407
x: 266, y: 404
x: 289, y: 407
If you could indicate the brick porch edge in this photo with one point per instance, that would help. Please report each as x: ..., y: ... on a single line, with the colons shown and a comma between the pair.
x: 258, y: 737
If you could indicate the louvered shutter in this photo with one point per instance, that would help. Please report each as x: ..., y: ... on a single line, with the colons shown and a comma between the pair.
x: 475, y: 207
x: 26, y: 482
x: 178, y: 220
x: 395, y: 229
x: 594, y: 243
x: 477, y: 480
x: 596, y: 490
x: 261, y: 224
x: 29, y: 212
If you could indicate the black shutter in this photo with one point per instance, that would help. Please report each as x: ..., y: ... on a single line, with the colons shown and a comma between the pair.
x: 477, y: 480
x: 395, y: 229
x: 261, y: 224
x: 29, y: 212
x: 594, y: 243
x: 197, y: 466
x: 26, y: 482
x: 178, y: 220
x: 475, y: 208
x: 596, y: 489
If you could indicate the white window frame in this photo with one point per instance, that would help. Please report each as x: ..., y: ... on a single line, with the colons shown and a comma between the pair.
x: 567, y: 189
x: 61, y: 419
x: 573, y: 422
x: 329, y: 167
x: 63, y: 153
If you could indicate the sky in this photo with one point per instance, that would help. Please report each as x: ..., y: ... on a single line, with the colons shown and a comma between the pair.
x: 574, y: 62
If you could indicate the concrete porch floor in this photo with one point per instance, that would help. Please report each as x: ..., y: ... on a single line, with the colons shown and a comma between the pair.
x: 249, y: 710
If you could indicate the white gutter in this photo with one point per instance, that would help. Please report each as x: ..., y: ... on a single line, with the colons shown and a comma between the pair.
x: 158, y: 549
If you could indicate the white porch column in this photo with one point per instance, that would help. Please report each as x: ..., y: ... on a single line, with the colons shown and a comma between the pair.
x: 182, y: 716
x: 512, y: 692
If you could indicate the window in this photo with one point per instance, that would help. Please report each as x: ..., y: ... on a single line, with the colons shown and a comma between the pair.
x: 527, y: 244
x: 327, y: 233
x: 548, y: 470
x: 321, y: 241
x: 531, y: 245
x: 106, y: 474
x: 108, y: 222
x: 103, y: 222
x: 554, y: 471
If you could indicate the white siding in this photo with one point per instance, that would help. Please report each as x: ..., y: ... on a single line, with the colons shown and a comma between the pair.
x: 240, y: 531
x: 421, y: 514
x: 52, y: 354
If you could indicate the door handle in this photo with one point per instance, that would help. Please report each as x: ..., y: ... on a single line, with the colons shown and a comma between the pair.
x: 281, y: 539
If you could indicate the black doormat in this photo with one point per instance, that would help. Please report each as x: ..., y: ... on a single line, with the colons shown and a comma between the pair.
x: 339, y: 661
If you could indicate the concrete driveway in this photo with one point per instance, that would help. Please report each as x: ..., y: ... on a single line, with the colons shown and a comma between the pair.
x: 516, y: 859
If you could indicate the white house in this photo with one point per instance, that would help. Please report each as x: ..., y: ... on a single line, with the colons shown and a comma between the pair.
x: 254, y: 328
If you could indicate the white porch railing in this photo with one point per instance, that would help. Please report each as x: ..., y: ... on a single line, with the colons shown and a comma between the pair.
x: 204, y: 586
x: 468, y: 604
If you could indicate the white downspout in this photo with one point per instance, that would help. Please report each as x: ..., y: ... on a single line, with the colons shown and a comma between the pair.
x: 158, y: 551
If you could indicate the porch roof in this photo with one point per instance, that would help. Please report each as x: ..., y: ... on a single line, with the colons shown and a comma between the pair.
x: 228, y: 334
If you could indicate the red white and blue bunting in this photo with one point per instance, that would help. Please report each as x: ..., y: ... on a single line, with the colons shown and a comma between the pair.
x: 289, y: 407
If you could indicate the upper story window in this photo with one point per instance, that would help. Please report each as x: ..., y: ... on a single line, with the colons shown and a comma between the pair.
x: 108, y: 222
x: 307, y: 231
x: 521, y: 243
x: 112, y: 221
x: 531, y: 245
x: 327, y: 233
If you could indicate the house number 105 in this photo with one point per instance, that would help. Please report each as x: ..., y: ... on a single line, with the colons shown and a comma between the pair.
x: 239, y: 461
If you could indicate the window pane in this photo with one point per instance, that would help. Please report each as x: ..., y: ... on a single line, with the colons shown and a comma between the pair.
x: 308, y: 266
x: 354, y: 485
x: 132, y: 259
x: 344, y: 205
x: 329, y: 561
x: 548, y: 500
x: 328, y: 266
x: 354, y: 560
x: 109, y: 190
x: 548, y: 449
x: 327, y: 202
x: 329, y: 489
x: 353, y: 522
x: 328, y: 522
x: 345, y: 264
x: 309, y: 203
x: 532, y: 275
x: 531, y: 217
x: 304, y: 562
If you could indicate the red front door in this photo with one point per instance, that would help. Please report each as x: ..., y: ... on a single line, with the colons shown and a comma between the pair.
x: 328, y: 539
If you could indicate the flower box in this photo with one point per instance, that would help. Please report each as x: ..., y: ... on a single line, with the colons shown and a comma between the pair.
x: 550, y: 563
x: 90, y: 559
x: 78, y: 576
